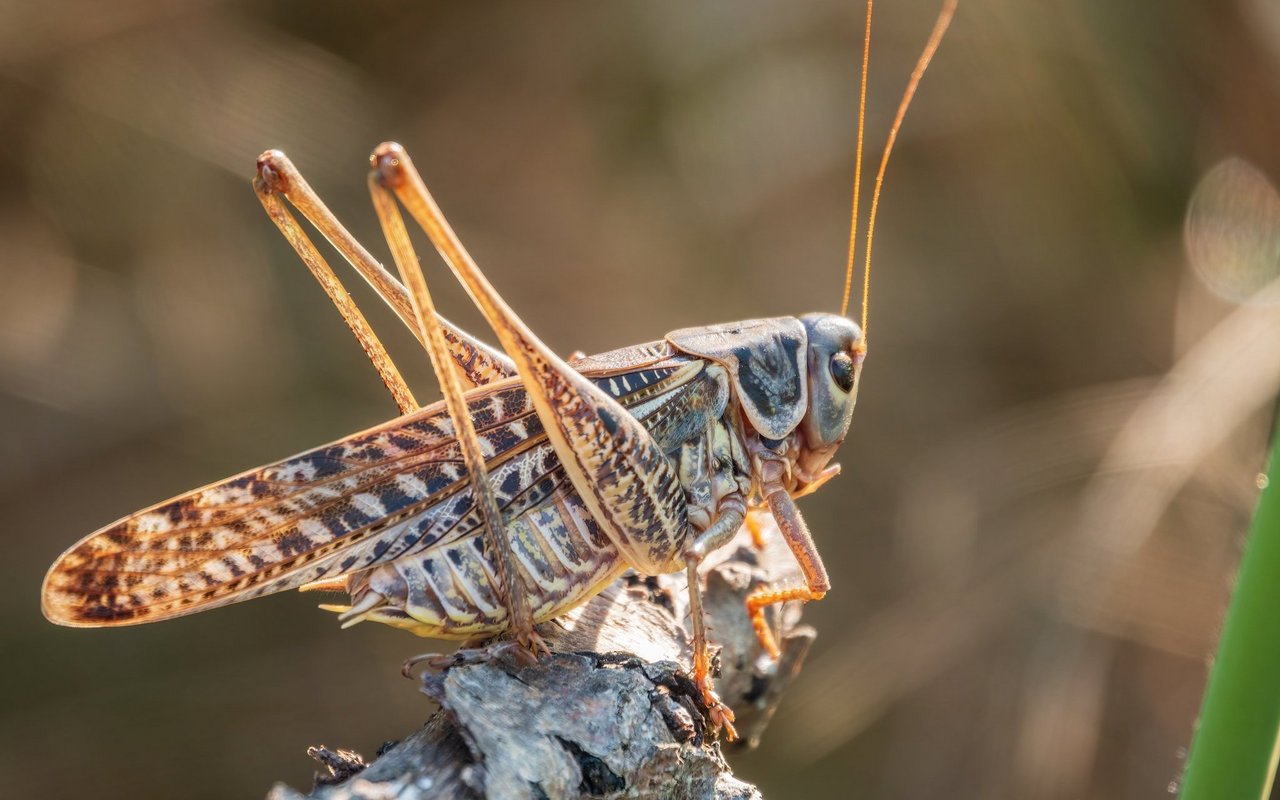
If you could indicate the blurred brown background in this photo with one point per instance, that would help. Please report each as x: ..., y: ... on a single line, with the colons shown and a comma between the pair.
x: 1033, y: 540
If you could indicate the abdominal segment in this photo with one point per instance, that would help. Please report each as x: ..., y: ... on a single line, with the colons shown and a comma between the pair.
x: 449, y: 591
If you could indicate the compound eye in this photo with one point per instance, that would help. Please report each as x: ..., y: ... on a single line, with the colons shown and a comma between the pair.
x: 842, y: 371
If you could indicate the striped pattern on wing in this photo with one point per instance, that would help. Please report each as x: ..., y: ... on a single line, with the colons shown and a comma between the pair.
x: 370, y: 498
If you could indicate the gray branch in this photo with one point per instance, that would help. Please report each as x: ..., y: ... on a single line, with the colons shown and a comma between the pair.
x: 613, y: 713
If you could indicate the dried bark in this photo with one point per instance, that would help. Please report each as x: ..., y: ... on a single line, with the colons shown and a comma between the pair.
x: 612, y: 713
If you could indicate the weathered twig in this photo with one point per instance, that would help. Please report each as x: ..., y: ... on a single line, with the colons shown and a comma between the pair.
x: 611, y: 714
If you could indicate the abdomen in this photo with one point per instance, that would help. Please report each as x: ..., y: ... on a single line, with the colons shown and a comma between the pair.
x: 449, y: 591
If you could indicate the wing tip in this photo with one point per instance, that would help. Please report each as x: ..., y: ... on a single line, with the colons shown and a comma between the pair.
x: 69, y: 613
x: 53, y: 603
x: 75, y: 610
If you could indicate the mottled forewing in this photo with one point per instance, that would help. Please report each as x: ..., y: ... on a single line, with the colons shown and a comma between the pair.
x: 365, y: 500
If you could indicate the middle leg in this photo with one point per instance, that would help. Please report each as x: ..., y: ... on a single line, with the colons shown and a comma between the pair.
x: 732, y: 512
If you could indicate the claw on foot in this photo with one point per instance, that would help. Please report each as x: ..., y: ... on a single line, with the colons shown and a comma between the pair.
x: 721, y: 715
x: 535, y: 645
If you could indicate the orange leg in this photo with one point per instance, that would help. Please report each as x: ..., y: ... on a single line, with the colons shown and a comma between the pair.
x: 796, y: 534
x: 755, y: 528
x: 763, y: 597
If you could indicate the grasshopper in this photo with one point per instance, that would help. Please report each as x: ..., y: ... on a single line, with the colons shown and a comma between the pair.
x: 535, y: 482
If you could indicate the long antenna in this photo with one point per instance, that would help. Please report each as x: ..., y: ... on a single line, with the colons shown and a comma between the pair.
x: 935, y: 38
x: 857, y: 170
